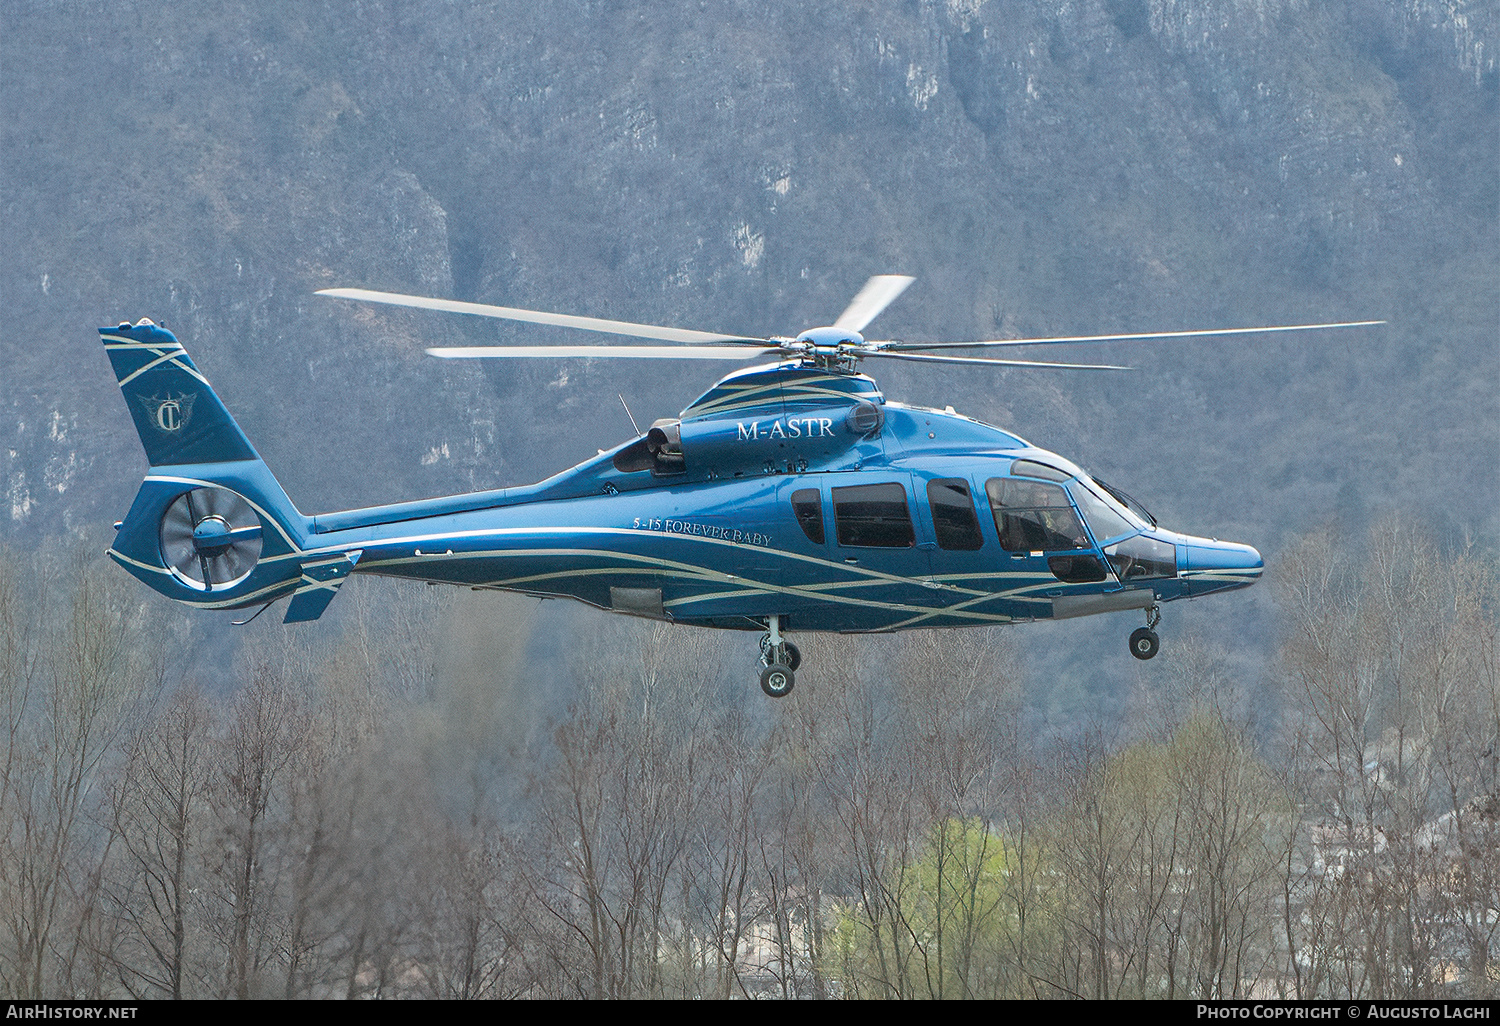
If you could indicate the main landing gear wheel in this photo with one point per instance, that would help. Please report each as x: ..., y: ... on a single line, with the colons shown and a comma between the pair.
x: 1144, y: 643
x: 780, y: 659
x: 786, y: 654
x: 777, y: 680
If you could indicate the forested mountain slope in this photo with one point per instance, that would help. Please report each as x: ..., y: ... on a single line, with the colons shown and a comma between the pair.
x: 1040, y: 167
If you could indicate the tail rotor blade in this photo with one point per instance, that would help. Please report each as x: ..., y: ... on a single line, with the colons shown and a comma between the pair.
x: 877, y: 294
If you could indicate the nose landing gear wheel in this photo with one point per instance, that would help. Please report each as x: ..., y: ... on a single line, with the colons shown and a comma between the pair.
x: 777, y: 680
x: 1144, y: 643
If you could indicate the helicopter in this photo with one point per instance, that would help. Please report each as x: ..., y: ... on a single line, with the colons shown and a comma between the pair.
x: 790, y: 496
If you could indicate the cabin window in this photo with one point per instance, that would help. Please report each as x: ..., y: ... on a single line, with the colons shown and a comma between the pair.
x: 1141, y: 558
x: 1103, y: 519
x: 807, y: 504
x: 873, y: 515
x: 953, y: 518
x: 1034, y: 517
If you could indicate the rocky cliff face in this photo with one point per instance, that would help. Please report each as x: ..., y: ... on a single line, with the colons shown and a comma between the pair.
x: 1041, y: 167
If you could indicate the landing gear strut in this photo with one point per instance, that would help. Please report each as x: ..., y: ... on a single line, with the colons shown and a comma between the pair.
x: 1144, y: 642
x: 779, y: 658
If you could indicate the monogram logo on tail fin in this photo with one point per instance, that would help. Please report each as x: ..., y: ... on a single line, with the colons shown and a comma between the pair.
x: 168, y: 415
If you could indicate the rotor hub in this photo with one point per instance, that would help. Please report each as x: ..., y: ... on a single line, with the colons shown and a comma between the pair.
x: 829, y: 348
x: 831, y: 338
x: 211, y: 536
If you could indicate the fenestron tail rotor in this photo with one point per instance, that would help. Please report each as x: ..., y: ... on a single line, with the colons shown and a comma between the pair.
x: 210, y: 538
x: 837, y: 347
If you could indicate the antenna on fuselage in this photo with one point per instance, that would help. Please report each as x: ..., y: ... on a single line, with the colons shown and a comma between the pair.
x: 633, y: 426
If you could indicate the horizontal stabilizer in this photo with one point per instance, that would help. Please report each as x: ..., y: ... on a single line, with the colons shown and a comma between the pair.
x: 321, y: 580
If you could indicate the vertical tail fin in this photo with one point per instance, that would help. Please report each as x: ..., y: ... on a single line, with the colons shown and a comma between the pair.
x: 211, y: 526
x: 178, y: 416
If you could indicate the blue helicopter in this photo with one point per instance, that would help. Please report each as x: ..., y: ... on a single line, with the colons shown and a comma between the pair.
x: 791, y: 496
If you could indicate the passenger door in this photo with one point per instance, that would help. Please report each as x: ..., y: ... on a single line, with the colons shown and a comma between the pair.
x: 874, y: 525
x: 862, y: 531
x: 956, y: 550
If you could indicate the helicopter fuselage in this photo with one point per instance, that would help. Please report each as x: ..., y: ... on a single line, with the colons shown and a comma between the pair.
x: 786, y: 491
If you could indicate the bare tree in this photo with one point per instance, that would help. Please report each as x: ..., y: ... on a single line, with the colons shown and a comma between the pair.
x: 869, y: 795
x: 466, y: 942
x: 797, y: 852
x: 254, y: 754
x: 1391, y: 696
x: 616, y: 808
x: 95, y: 678
x: 156, y: 813
x: 722, y: 867
x: 22, y: 612
x: 959, y: 689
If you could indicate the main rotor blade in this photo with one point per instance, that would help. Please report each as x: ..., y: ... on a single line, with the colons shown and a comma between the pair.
x: 606, y: 352
x: 887, y: 347
x: 536, y: 317
x: 873, y: 298
x: 925, y: 358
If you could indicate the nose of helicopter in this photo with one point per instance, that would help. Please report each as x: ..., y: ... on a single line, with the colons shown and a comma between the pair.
x: 1208, y: 565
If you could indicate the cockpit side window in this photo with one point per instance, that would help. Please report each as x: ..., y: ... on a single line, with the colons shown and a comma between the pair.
x: 953, y: 518
x: 873, y: 515
x: 1034, y: 517
x: 1142, y: 558
x: 807, y: 504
